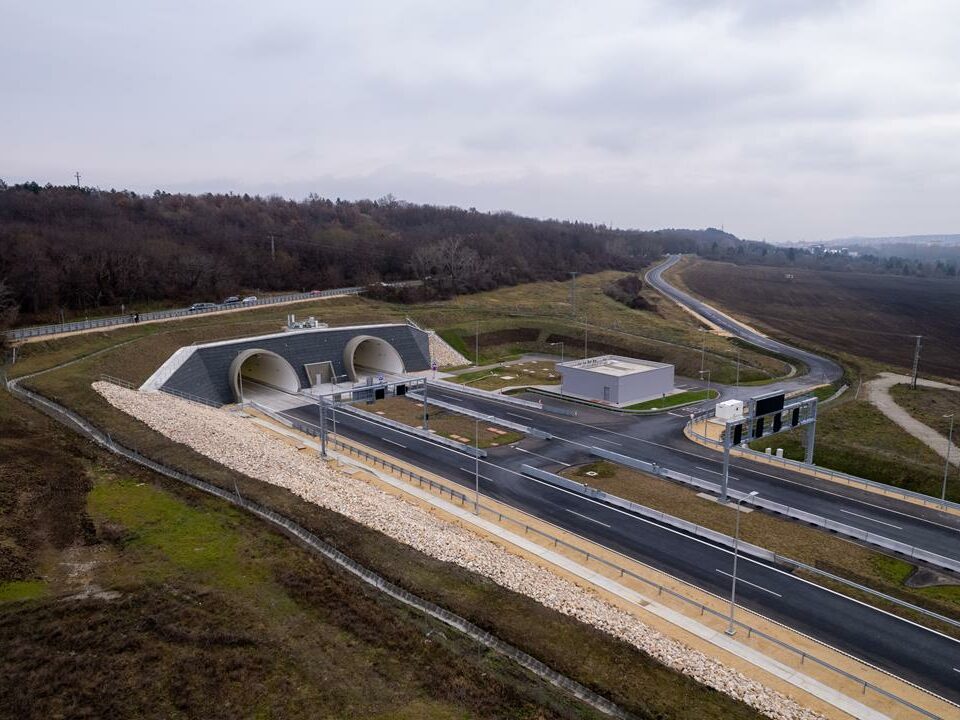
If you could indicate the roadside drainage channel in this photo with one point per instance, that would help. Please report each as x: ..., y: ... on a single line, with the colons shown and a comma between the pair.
x: 71, y: 419
x: 719, y: 538
x: 492, y: 419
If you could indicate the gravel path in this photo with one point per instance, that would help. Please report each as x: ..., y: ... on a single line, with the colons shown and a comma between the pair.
x: 878, y: 394
x: 239, y: 444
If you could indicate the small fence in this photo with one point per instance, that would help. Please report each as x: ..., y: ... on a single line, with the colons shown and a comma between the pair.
x: 129, y: 318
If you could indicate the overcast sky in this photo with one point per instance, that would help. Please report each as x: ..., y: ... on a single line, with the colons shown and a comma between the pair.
x: 780, y: 119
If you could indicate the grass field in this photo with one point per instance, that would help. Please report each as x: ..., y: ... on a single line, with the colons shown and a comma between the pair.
x: 872, y: 316
x: 123, y: 597
x: 930, y: 406
x: 629, y: 677
x: 690, y: 396
x: 794, y: 540
x: 533, y: 372
x: 444, y: 422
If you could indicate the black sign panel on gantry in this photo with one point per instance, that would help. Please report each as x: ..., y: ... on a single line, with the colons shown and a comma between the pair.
x: 764, y: 405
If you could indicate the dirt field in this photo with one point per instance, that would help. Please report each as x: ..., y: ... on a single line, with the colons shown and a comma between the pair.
x: 871, y: 316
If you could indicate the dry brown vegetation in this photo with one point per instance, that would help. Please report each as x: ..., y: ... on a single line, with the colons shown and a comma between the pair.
x: 870, y: 315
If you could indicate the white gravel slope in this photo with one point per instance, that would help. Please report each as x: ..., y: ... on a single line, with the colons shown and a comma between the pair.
x: 240, y: 445
x: 443, y: 354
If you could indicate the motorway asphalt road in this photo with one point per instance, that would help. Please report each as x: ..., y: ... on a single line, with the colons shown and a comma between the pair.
x: 659, y: 439
x: 927, y: 658
x: 819, y: 369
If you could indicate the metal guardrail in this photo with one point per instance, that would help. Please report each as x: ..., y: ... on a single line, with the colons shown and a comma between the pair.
x: 73, y: 419
x: 786, y: 510
x: 492, y: 419
x: 719, y: 538
x: 820, y: 472
x: 128, y: 319
x: 486, y: 394
x: 411, y: 430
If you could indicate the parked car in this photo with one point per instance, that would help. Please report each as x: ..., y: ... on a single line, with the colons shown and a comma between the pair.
x: 315, y: 292
x: 249, y: 299
x: 197, y: 307
x: 232, y: 300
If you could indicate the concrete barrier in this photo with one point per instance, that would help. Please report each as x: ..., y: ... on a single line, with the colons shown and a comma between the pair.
x: 492, y: 419
x: 485, y: 394
x: 410, y: 430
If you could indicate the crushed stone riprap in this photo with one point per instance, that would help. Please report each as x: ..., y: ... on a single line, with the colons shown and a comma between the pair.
x: 443, y: 354
x: 239, y: 444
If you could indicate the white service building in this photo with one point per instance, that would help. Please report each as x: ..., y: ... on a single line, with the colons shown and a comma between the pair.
x: 615, y: 379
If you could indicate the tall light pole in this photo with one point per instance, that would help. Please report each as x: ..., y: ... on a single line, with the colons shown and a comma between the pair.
x: 476, y: 467
x: 707, y: 373
x: 703, y: 348
x: 738, y: 367
x: 476, y: 339
x: 946, y: 464
x: 736, y: 552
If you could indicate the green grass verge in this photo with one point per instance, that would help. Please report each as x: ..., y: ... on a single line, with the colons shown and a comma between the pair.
x: 856, y: 438
x: 672, y: 401
x: 16, y: 590
x: 794, y: 540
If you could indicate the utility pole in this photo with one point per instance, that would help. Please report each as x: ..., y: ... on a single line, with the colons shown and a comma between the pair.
x: 476, y: 340
x: 703, y: 349
x: 476, y: 467
x: 586, y: 328
x: 946, y: 465
x: 273, y: 247
x: 916, y: 362
x: 573, y: 293
x: 77, y: 175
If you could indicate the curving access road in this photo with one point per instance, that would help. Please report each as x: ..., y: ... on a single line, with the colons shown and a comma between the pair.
x: 819, y: 369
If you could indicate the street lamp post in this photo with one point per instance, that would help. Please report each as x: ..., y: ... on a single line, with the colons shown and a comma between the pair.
x: 946, y: 464
x: 707, y: 373
x: 736, y: 552
x: 703, y: 348
x: 476, y: 467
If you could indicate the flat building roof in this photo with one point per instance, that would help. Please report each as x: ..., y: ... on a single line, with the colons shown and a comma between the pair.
x: 615, y: 365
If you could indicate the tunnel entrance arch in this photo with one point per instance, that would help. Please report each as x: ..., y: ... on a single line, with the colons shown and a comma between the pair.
x: 262, y: 367
x: 368, y: 355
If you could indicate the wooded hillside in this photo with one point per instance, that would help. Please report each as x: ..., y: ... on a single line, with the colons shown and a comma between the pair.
x: 81, y: 249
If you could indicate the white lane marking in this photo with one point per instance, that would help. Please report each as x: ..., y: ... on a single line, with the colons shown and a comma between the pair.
x: 522, y: 417
x: 586, y: 517
x: 392, y: 442
x: 545, y: 457
x: 715, y: 472
x: 864, y: 517
x: 475, y: 474
x: 956, y: 669
x: 597, y: 437
x: 450, y: 397
x: 741, y: 580
x: 679, y: 415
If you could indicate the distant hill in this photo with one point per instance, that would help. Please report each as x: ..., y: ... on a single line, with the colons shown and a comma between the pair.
x: 947, y: 240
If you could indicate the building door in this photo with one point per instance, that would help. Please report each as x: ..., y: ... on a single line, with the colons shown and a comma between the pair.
x: 606, y: 394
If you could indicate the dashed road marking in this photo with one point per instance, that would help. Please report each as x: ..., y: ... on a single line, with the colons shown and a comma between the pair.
x: 896, y: 527
x: 585, y: 517
x: 747, y: 582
